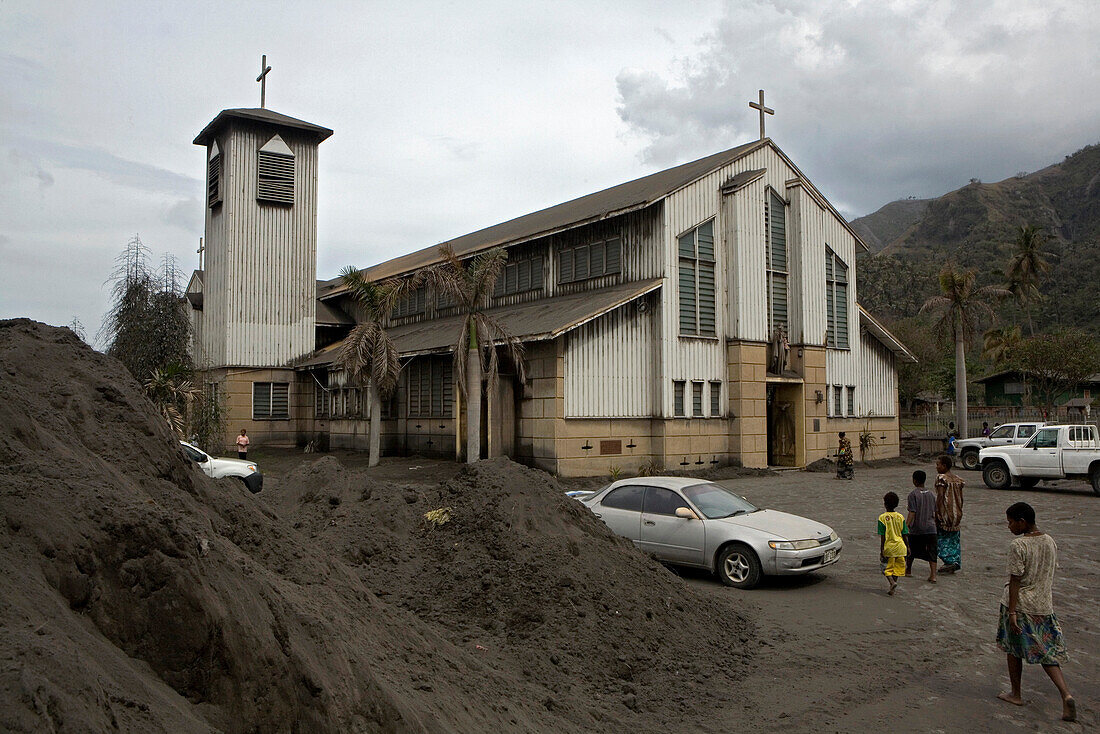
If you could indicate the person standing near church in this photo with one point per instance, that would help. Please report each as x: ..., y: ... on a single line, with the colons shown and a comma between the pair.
x: 242, y: 445
x: 949, y: 512
x: 844, y: 458
x: 921, y: 504
x: 1029, y: 629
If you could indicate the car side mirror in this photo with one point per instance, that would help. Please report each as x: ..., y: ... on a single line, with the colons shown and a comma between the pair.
x: 686, y: 514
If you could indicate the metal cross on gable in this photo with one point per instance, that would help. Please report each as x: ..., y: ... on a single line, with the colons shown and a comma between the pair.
x: 262, y: 79
x: 763, y: 111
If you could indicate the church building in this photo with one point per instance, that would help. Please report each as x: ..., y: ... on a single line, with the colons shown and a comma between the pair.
x: 695, y: 317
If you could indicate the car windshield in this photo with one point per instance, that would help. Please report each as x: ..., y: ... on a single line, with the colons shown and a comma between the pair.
x: 715, y: 501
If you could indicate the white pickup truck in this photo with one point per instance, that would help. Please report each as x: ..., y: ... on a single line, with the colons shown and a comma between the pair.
x: 1054, y: 452
x: 216, y: 468
x: 1006, y: 434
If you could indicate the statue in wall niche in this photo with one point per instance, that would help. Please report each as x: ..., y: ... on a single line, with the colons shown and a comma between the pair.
x: 784, y: 430
x: 779, y: 358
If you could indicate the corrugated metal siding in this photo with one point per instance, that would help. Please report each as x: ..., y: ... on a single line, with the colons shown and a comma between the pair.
x: 878, y: 378
x: 260, y: 259
x: 610, y: 367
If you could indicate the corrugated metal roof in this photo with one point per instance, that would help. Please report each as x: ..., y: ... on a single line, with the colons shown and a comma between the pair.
x: 327, y: 315
x: 880, y: 332
x: 629, y: 196
x: 258, y: 114
x: 535, y: 321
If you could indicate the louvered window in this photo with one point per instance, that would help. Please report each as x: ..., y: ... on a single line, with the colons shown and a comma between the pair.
x: 851, y: 400
x: 715, y: 399
x: 275, y: 172
x: 519, y: 277
x: 214, y: 176
x: 697, y: 399
x: 697, y: 284
x: 775, y: 227
x: 678, y: 398
x: 430, y: 383
x: 410, y: 303
x: 838, y: 398
x: 836, y: 300
x: 270, y: 400
x: 589, y: 261
x: 320, y: 396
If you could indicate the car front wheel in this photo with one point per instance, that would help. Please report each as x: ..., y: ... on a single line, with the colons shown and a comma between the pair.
x: 739, y: 567
x: 996, y: 476
x: 970, y: 460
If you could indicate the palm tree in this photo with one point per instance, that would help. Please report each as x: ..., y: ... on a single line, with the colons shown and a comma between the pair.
x: 961, y: 307
x: 171, y: 390
x: 368, y: 354
x: 469, y: 285
x: 998, y: 344
x: 1026, y: 268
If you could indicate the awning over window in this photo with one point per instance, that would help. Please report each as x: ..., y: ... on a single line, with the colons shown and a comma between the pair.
x: 539, y: 320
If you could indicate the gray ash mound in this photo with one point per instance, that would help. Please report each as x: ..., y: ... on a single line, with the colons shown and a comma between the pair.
x: 138, y: 595
x: 500, y: 559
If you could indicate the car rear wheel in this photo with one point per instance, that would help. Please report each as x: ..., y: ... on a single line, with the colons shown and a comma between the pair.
x: 970, y: 460
x: 739, y: 567
x: 1095, y: 478
x: 996, y: 476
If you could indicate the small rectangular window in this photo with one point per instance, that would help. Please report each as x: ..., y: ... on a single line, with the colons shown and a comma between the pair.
x: 715, y: 399
x: 214, y: 181
x: 851, y: 400
x: 838, y: 400
x: 697, y: 399
x: 593, y: 260
x: 519, y: 277
x: 678, y: 398
x: 270, y: 400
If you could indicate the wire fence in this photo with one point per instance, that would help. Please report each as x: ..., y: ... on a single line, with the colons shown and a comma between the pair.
x: 939, y: 424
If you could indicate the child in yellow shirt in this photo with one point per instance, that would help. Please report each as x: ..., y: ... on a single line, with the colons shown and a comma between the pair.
x: 893, y: 541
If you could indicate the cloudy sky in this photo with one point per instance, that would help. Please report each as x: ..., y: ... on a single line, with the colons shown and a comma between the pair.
x: 452, y: 116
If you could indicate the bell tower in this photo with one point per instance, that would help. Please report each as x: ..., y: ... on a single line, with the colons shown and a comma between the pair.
x: 254, y: 300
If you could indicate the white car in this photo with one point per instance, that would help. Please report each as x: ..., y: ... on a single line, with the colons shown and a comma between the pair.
x: 216, y: 468
x: 691, y: 522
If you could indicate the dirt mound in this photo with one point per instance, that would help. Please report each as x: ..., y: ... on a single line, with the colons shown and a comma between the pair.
x: 504, y: 562
x: 821, y: 465
x: 139, y: 595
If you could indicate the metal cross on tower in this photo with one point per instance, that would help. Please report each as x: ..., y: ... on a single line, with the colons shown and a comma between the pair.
x: 262, y: 79
x: 763, y: 111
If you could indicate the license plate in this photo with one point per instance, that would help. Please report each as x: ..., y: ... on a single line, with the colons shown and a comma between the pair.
x: 830, y: 556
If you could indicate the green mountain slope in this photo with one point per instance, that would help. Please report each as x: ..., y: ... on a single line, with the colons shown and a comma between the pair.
x: 975, y: 226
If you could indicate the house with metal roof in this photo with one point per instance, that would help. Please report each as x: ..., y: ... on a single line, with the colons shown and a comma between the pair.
x: 699, y: 316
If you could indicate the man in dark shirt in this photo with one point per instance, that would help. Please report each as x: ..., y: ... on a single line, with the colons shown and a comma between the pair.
x: 922, y: 526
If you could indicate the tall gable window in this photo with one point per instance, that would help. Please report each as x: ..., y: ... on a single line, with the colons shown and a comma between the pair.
x: 410, y: 303
x: 836, y: 301
x: 519, y: 276
x: 270, y: 400
x: 775, y: 227
x: 214, y: 176
x: 275, y: 172
x: 589, y: 261
x: 696, y: 252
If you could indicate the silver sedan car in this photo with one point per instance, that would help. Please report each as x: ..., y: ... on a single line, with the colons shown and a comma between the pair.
x: 689, y: 522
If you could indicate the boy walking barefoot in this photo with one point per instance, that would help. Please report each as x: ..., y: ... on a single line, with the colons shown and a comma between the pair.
x: 893, y: 543
x: 922, y: 526
x: 1029, y: 629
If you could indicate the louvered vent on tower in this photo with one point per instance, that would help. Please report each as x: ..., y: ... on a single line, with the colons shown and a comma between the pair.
x: 214, y: 176
x: 275, y: 172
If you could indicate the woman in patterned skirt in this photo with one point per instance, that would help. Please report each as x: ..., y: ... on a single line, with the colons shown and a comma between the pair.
x: 1029, y: 629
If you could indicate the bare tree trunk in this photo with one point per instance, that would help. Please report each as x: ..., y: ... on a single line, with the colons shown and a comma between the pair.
x: 375, y: 437
x: 473, y: 403
x: 961, y: 403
